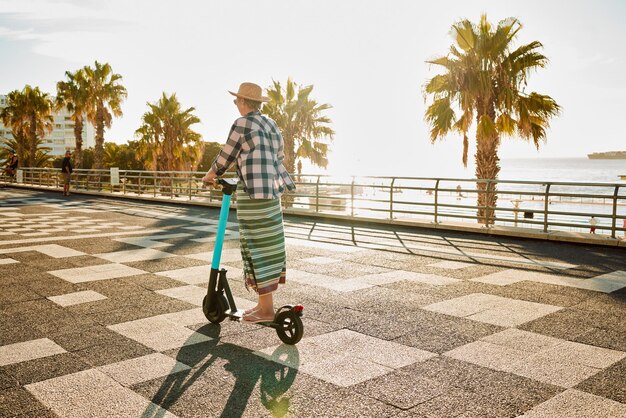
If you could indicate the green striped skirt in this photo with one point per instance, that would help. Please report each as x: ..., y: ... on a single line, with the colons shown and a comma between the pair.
x: 262, y: 239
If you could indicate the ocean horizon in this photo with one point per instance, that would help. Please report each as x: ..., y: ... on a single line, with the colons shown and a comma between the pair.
x: 543, y: 169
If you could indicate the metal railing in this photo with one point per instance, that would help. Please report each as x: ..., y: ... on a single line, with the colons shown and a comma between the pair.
x: 546, y: 206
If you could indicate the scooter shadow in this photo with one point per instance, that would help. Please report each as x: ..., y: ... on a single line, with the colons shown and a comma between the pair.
x: 276, y: 374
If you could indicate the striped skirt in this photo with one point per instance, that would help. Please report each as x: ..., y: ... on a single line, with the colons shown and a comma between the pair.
x: 262, y: 239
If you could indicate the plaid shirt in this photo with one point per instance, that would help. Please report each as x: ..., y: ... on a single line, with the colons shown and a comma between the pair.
x: 256, y: 144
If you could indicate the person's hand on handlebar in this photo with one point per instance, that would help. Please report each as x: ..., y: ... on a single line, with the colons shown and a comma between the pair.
x: 210, y: 179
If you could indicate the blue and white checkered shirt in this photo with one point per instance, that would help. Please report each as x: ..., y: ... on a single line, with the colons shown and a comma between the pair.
x: 257, y: 146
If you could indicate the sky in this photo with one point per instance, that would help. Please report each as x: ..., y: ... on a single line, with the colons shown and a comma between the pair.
x: 366, y: 58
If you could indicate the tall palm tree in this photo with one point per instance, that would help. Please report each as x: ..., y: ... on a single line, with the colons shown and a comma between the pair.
x: 15, y: 117
x: 166, y: 138
x: 105, y: 96
x: 29, y: 113
x: 301, y: 123
x: 484, y: 79
x: 72, y: 95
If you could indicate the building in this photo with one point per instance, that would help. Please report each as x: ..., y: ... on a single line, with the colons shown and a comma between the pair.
x: 62, y: 136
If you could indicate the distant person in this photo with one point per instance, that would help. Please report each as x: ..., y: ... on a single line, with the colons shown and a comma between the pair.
x: 255, y: 146
x: 12, y: 165
x: 593, y: 222
x: 459, y: 192
x: 66, y: 172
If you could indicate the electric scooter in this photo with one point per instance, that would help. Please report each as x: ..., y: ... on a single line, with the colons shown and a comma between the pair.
x: 219, y: 302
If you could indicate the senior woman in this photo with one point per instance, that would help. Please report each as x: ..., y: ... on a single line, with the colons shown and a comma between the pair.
x: 255, y: 145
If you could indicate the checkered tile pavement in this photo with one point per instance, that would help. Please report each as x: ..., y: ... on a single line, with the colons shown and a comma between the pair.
x: 100, y: 316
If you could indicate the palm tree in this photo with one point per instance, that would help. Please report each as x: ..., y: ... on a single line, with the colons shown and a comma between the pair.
x: 105, y: 95
x: 15, y: 117
x: 166, y: 140
x: 72, y: 95
x: 29, y: 113
x: 42, y: 156
x: 301, y: 123
x: 485, y: 79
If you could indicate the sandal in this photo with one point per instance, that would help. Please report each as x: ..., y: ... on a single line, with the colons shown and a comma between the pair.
x: 252, y: 318
x: 249, y: 311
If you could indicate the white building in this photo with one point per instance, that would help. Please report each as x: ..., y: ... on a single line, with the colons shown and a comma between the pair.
x: 61, y: 138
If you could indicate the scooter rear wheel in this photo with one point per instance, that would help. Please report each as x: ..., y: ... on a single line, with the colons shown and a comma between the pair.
x: 290, y: 328
x: 217, y: 312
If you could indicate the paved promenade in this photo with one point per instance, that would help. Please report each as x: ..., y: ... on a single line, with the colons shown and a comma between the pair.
x: 100, y: 317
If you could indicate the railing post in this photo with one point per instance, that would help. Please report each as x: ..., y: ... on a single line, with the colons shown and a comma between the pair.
x: 489, y: 217
x: 317, y: 195
x: 437, y: 201
x: 352, y: 198
x: 546, y: 207
x: 190, y: 177
x: 155, y: 186
x: 614, y: 217
x: 393, y: 180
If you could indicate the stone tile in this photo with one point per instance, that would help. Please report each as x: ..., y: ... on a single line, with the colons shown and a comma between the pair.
x: 456, y: 403
x: 576, y: 404
x: 522, y: 340
x: 492, y: 309
x: 190, y: 275
x: 332, y: 283
x: 91, y: 390
x: 228, y: 255
x: 346, y: 357
x: 189, y: 294
x: 141, y: 369
x: 344, y: 370
x: 51, y: 250
x: 17, y: 401
x: 401, y: 389
x: 542, y: 358
x: 549, y: 371
x: 451, y: 265
x: 494, y: 356
x: 513, y: 313
x: 29, y: 350
x: 583, y: 354
x: 152, y: 241
x: 46, y: 368
x: 609, y: 383
x: 321, y: 260
x: 76, y: 298
x: 400, y: 275
x: 158, y: 333
x: 94, y: 273
x: 130, y: 256
x: 502, y: 278
x: 615, y: 340
x: 605, y: 283
x: 186, y: 318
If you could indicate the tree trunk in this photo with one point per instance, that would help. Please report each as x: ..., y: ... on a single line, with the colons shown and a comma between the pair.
x: 78, y: 136
x: 33, y: 141
x: 99, y: 150
x: 487, y: 168
x: 19, y: 140
x: 290, y: 161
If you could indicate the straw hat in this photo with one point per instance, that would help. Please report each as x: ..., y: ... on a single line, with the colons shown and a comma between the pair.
x: 250, y: 91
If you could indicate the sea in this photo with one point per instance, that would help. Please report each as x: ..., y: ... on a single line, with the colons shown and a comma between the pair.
x: 605, y: 174
x: 563, y: 170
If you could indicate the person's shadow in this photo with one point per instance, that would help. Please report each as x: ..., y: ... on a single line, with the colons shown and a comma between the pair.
x: 247, y: 368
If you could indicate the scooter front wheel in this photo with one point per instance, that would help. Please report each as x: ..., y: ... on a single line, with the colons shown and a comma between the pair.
x: 290, y: 328
x: 217, y: 312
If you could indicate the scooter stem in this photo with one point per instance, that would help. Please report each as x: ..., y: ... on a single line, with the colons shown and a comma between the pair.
x: 221, y: 231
